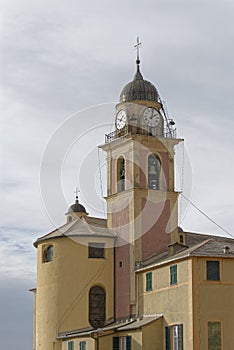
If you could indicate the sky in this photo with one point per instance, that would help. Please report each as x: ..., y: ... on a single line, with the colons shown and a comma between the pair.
x: 63, y: 65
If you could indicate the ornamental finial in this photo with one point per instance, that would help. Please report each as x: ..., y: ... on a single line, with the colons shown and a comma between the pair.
x: 137, y: 47
x: 76, y: 192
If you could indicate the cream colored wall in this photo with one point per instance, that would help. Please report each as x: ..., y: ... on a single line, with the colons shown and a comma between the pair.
x: 153, y: 336
x: 46, y: 302
x: 63, y: 288
x: 213, y: 301
x: 105, y: 342
x: 147, y: 338
x: 90, y: 343
x: 174, y: 302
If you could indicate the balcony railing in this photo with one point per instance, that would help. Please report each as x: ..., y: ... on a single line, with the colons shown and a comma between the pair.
x: 168, y: 133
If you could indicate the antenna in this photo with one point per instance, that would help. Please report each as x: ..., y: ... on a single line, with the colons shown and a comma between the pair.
x: 170, y: 122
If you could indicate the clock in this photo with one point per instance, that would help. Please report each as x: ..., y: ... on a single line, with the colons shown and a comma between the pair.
x: 121, y: 119
x: 151, y: 116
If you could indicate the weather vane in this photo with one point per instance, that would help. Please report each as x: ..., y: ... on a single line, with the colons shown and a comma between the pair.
x: 137, y: 47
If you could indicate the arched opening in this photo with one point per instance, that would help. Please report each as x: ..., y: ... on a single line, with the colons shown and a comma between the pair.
x: 154, y: 169
x: 121, y: 174
x: 97, y: 306
x: 182, y: 239
x: 48, y: 254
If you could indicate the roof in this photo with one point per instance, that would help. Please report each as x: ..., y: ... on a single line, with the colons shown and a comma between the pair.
x: 77, y: 207
x: 82, y: 226
x: 139, y: 89
x: 205, y: 246
x: 139, y: 323
x: 128, y: 325
x: 192, y: 238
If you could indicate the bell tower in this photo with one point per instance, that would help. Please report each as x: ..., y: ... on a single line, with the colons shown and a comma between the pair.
x: 141, y: 200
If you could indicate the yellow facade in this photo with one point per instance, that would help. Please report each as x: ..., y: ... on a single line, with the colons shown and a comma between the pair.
x: 213, y: 301
x: 61, y: 298
x: 174, y: 302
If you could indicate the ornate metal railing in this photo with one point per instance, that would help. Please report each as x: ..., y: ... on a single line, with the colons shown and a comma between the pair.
x: 110, y: 137
x: 168, y: 133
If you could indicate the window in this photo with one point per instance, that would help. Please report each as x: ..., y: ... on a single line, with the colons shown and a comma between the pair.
x: 121, y: 174
x: 168, y: 338
x: 148, y: 280
x: 214, y: 336
x: 96, y: 250
x: 82, y: 345
x: 154, y: 168
x: 48, y: 254
x: 97, y: 306
x: 121, y: 343
x: 173, y: 274
x: 125, y: 343
x: 115, y: 343
x: 174, y: 337
x: 177, y: 337
x: 212, y: 270
x: 70, y: 345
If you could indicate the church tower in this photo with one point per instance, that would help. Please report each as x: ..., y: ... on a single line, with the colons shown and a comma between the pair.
x: 141, y: 200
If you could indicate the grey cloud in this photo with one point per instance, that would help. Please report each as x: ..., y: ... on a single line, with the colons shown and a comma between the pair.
x: 57, y: 59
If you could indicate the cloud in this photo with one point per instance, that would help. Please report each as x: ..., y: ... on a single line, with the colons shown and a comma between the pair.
x: 57, y: 59
x: 16, y: 319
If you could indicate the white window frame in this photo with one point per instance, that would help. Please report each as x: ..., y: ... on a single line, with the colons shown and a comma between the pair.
x: 175, y: 337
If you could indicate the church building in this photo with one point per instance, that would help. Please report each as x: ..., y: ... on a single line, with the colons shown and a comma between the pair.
x: 134, y: 280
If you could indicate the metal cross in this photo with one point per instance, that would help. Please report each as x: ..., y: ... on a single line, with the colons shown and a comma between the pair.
x: 137, y: 47
x: 76, y: 191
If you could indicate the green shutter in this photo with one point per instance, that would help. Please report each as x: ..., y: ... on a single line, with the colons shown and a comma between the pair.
x: 173, y: 274
x: 212, y: 270
x: 83, y: 345
x: 168, y: 340
x: 128, y: 343
x: 148, y: 281
x: 180, y: 337
x: 214, y: 336
x: 115, y: 343
x: 70, y: 345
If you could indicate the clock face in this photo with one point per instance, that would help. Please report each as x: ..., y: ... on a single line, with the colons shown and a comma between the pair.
x: 151, y: 116
x: 121, y: 119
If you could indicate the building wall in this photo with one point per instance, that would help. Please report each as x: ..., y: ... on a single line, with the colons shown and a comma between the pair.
x: 63, y: 287
x: 90, y: 343
x: 105, y: 342
x: 213, y: 301
x: 173, y: 301
x: 152, y: 336
x: 147, y: 337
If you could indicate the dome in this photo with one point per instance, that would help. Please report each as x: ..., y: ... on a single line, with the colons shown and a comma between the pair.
x: 77, y: 208
x: 139, y: 89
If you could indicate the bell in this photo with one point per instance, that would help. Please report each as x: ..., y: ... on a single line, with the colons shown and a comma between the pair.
x: 152, y: 169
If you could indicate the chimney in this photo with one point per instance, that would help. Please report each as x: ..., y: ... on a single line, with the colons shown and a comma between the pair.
x: 226, y: 249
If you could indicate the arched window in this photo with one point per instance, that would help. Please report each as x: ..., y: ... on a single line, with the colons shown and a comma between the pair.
x: 97, y: 306
x: 154, y: 169
x: 121, y: 174
x: 48, y: 254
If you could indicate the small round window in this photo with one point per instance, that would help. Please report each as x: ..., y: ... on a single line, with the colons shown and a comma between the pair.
x: 49, y: 254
